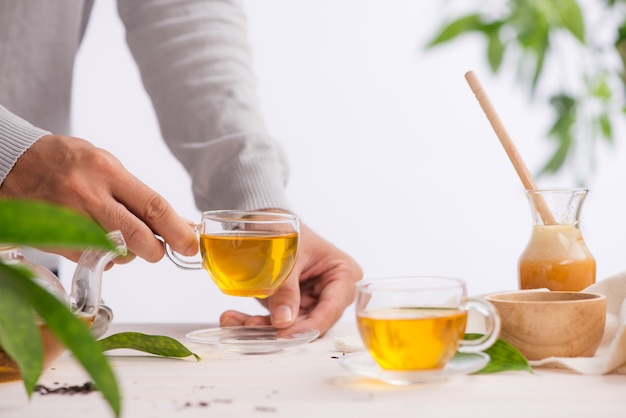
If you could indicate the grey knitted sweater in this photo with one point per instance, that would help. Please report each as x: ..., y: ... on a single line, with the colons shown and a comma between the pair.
x: 194, y: 62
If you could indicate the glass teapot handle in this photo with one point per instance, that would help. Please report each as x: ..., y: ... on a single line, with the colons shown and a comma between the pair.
x: 87, y: 283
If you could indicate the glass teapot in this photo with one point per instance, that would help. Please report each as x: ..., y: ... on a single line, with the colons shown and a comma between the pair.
x: 84, y: 299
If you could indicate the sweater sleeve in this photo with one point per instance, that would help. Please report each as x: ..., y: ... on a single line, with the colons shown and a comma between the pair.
x: 194, y: 61
x: 16, y: 136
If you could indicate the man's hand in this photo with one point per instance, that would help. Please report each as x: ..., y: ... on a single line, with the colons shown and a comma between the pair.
x: 319, y: 289
x: 72, y: 172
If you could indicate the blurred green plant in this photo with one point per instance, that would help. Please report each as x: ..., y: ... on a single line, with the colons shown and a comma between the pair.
x: 556, y: 42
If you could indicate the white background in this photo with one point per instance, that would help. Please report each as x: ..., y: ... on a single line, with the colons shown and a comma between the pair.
x: 391, y: 156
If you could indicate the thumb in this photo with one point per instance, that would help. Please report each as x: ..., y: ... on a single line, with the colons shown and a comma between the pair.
x: 284, y: 305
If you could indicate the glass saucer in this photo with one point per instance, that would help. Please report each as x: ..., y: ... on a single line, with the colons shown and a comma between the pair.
x: 254, y: 339
x: 462, y: 363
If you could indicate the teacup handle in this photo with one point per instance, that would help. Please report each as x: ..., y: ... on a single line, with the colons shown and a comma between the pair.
x: 180, y: 262
x: 492, y: 326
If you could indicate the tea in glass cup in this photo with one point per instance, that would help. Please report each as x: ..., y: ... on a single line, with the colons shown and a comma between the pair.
x: 246, y: 253
x: 418, y: 323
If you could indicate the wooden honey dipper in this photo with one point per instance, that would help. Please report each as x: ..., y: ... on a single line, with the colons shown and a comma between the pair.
x: 506, y: 141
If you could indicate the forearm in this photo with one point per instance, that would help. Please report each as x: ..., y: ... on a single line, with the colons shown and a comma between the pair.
x: 195, y: 64
x: 16, y: 136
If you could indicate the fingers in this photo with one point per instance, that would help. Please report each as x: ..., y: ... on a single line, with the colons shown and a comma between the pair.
x: 155, y: 216
x: 140, y: 213
x: 72, y: 172
x: 317, y: 292
x: 329, y: 307
x: 284, y: 305
x: 327, y: 281
x: 233, y: 318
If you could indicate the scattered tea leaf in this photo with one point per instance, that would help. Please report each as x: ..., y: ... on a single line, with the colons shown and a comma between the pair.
x: 503, y: 357
x: 154, y: 344
x: 86, y: 387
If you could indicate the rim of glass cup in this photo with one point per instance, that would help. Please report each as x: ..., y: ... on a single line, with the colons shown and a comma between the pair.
x: 559, y: 190
x: 417, y: 283
x: 242, y: 216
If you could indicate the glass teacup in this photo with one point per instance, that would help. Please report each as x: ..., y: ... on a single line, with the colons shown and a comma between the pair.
x: 418, y: 323
x: 246, y: 253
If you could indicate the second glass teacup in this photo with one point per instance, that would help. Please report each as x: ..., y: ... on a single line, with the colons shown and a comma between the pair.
x: 418, y: 323
x: 246, y: 253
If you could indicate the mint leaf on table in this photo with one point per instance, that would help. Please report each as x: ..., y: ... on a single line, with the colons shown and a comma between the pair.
x: 503, y: 357
x: 154, y: 344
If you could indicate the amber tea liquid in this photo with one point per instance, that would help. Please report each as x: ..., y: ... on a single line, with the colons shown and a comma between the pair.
x: 249, y: 263
x: 9, y: 371
x: 412, y: 338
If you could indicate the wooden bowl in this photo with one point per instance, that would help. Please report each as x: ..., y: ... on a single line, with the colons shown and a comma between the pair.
x: 551, y: 324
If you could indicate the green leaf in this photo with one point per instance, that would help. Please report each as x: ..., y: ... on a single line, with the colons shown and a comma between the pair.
x: 620, y: 44
x: 571, y: 18
x: 495, y: 52
x: 503, y: 357
x: 457, y: 27
x: 621, y: 33
x: 70, y: 331
x: 565, y: 107
x: 601, y: 89
x: 605, y: 127
x: 557, y: 159
x: 153, y: 344
x: 19, y: 334
x: 561, y: 131
x: 529, y: 23
x: 540, y: 49
x: 40, y: 224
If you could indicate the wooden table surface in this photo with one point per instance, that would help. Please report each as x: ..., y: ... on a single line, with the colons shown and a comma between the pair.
x: 305, y: 381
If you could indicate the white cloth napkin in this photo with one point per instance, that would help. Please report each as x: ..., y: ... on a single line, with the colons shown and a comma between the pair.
x: 611, y: 355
